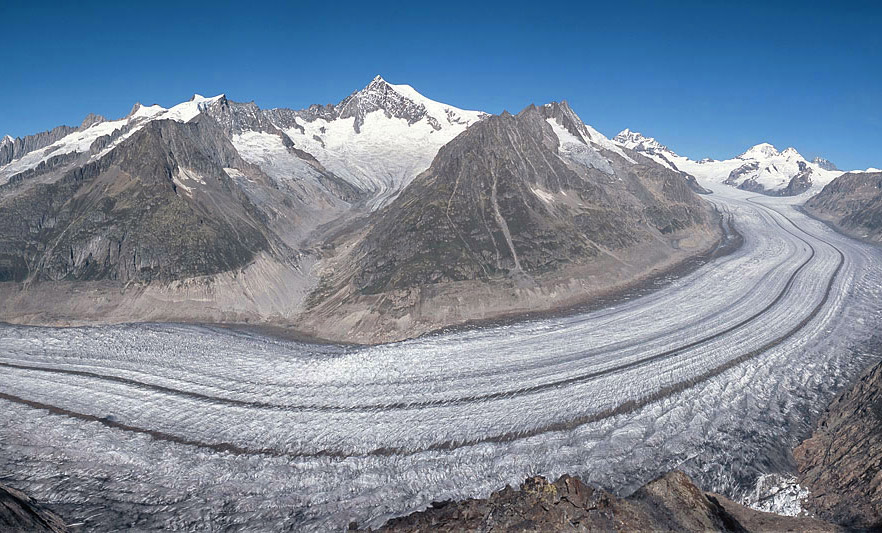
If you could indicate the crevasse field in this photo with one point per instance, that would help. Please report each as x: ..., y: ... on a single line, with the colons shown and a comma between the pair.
x: 719, y: 373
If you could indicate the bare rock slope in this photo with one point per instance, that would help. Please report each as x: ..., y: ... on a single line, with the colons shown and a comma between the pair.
x: 853, y: 203
x: 840, y: 463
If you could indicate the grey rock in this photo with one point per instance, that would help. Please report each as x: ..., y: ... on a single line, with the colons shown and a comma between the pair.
x: 824, y: 163
x: 21, y: 514
x: 853, y: 202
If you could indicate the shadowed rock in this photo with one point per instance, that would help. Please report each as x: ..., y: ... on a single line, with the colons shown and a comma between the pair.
x: 20, y: 514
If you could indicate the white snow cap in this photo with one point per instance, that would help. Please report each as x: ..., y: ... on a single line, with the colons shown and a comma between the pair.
x: 760, y: 151
x: 7, y: 139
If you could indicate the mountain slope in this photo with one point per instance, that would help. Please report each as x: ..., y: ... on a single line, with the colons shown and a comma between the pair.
x: 762, y: 168
x: 522, y: 202
x: 386, y: 209
x: 160, y: 206
x: 839, y: 464
x: 853, y: 202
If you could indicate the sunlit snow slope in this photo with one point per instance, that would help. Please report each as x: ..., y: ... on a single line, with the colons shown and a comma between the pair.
x: 380, y: 137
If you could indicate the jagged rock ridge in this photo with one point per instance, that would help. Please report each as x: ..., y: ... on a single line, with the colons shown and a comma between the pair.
x: 839, y: 464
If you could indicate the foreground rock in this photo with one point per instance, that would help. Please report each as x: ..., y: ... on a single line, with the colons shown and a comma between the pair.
x: 840, y: 463
x: 19, y: 513
x: 670, y: 503
x: 853, y: 203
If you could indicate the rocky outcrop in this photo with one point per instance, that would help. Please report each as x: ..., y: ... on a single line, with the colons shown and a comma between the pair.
x: 825, y: 164
x: 20, y: 514
x: 670, y: 503
x: 853, y: 203
x: 841, y: 464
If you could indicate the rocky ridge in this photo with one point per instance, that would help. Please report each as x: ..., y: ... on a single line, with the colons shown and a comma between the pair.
x: 309, y: 218
x: 20, y: 514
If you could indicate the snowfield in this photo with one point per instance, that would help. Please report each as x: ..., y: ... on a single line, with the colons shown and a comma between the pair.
x: 718, y: 373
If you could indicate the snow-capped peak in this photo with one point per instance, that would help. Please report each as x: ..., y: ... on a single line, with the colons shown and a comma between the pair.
x: 378, y: 138
x: 824, y: 163
x: 7, y: 139
x: 635, y: 140
x: 759, y: 151
x: 186, y: 111
x: 401, y: 102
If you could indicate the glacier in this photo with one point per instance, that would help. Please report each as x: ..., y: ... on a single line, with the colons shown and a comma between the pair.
x: 719, y: 373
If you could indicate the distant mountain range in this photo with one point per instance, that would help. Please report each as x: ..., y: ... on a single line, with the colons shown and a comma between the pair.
x: 371, y: 219
x: 762, y: 168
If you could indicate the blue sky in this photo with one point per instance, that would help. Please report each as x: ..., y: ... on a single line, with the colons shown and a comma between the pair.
x: 708, y: 79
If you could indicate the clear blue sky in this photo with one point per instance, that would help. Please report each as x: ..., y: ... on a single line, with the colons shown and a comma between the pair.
x: 708, y: 79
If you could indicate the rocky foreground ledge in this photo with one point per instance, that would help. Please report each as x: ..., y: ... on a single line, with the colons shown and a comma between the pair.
x: 19, y: 513
x: 669, y: 503
x: 840, y: 463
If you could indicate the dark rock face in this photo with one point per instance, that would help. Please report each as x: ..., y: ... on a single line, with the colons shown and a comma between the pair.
x: 824, y: 163
x: 799, y: 183
x: 840, y: 464
x: 24, y: 145
x: 379, y: 96
x: 853, y: 202
x: 670, y: 503
x: 130, y: 216
x: 502, y: 200
x: 21, y: 514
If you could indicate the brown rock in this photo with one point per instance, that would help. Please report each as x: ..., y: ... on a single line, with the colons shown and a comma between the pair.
x: 840, y: 463
x: 670, y: 503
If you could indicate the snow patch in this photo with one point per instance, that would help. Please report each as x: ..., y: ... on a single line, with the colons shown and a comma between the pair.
x: 577, y: 150
x: 545, y: 196
x: 775, y: 493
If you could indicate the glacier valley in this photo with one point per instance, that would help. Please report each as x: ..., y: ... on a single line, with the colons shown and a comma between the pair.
x: 719, y: 373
